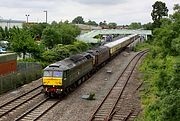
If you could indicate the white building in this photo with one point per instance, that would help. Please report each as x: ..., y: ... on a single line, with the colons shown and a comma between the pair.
x: 11, y: 23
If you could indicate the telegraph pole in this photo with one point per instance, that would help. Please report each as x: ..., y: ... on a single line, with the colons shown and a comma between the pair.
x: 46, y: 15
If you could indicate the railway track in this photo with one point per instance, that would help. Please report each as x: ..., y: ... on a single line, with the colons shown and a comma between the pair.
x: 107, y: 107
x: 39, y: 110
x: 11, y: 108
x: 127, y: 107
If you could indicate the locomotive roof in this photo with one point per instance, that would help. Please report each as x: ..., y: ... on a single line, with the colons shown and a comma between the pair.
x: 68, y: 63
x: 97, y: 50
x: 114, y: 43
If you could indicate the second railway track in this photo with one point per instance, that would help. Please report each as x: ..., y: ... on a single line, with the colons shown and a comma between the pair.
x: 105, y: 110
x: 16, y: 106
x: 39, y: 110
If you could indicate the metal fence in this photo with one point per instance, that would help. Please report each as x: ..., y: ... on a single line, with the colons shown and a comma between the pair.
x: 26, y: 72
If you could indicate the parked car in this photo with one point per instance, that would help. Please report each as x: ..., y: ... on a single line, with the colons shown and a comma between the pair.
x: 2, y: 50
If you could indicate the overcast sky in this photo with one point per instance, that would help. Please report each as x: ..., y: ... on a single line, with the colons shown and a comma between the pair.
x: 119, y: 11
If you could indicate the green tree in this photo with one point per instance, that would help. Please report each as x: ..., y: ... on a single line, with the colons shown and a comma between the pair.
x: 176, y: 20
x: 175, y: 45
x: 103, y: 23
x: 78, y: 20
x: 159, y: 11
x: 135, y: 25
x: 162, y: 71
x: 4, y: 34
x: 51, y: 37
x: 91, y: 23
x: 69, y: 33
x: 147, y: 26
x: 81, y: 46
x: 1, y: 34
x: 54, y: 23
x: 60, y: 33
x: 112, y: 25
x: 60, y: 52
x: 35, y: 29
x: 22, y: 42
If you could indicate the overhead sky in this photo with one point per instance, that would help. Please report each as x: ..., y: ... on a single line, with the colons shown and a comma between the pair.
x: 119, y: 11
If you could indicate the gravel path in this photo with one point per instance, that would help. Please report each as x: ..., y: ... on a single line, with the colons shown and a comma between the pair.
x: 73, y: 108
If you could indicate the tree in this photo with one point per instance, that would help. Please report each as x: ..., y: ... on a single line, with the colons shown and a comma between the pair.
x: 135, y: 25
x: 35, y: 29
x: 51, y: 37
x: 175, y: 44
x: 69, y: 33
x: 78, y: 20
x: 103, y: 23
x: 22, y: 42
x: 1, y: 34
x: 176, y: 19
x: 159, y: 11
x: 60, y: 33
x: 176, y: 8
x: 112, y: 25
x: 162, y: 70
x: 60, y: 52
x: 54, y: 23
x: 91, y: 23
x: 66, y: 21
x: 148, y: 26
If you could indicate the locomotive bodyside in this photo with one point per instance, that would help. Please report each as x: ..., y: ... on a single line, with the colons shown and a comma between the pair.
x: 61, y: 75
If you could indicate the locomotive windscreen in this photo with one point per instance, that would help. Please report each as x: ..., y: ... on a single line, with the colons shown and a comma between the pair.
x: 52, y: 74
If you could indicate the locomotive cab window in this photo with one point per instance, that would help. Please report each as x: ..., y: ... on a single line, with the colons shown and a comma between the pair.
x: 47, y: 73
x: 57, y: 74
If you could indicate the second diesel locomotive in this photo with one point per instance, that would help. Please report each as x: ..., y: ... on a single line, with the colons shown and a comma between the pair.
x: 59, y: 77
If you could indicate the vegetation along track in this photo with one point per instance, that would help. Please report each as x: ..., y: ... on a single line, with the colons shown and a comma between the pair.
x: 39, y: 110
x: 106, y: 109
x: 11, y: 108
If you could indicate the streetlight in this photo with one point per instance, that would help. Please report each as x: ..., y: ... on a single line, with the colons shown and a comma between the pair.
x: 46, y: 15
x: 9, y: 23
x: 27, y: 15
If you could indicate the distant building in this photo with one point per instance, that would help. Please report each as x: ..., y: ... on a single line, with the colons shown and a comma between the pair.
x: 122, y: 27
x: 87, y: 28
x: 11, y: 23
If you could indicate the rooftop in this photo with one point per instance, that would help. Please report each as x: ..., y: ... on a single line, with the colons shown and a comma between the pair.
x: 12, y: 21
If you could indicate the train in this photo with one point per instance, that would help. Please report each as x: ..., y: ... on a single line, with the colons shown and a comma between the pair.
x: 59, y: 78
